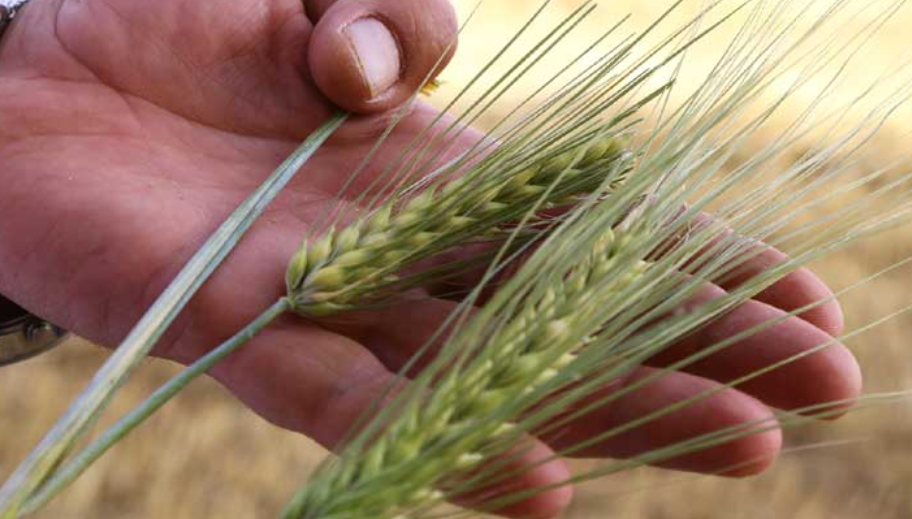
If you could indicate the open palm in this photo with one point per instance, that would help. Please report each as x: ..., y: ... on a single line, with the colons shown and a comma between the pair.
x: 130, y: 129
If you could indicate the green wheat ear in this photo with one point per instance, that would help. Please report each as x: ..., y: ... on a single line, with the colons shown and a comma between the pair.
x: 353, y: 266
x: 453, y: 428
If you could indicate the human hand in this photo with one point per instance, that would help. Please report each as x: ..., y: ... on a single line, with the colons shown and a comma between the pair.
x: 129, y: 130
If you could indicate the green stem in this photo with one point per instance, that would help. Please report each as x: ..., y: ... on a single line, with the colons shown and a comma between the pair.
x: 75, y: 467
x: 48, y: 455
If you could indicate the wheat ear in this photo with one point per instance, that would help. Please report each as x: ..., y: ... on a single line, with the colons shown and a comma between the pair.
x: 454, y: 427
x: 352, y: 266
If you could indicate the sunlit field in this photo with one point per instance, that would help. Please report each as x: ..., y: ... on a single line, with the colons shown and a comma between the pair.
x: 205, y: 455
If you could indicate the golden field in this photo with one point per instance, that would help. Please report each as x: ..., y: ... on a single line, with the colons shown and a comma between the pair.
x: 205, y: 455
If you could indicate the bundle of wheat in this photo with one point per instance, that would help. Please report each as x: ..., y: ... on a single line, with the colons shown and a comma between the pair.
x: 597, y: 285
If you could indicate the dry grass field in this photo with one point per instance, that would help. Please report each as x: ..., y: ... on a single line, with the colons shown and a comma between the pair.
x: 207, y: 456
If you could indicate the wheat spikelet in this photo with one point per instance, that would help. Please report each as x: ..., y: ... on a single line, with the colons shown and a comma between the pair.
x: 453, y: 428
x: 347, y: 267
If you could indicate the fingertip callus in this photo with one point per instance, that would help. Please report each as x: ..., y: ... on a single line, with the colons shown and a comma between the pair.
x: 371, y: 56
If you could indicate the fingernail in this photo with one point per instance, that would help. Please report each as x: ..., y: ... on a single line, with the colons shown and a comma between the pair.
x: 377, y: 53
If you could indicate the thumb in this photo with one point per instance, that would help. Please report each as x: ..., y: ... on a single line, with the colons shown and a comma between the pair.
x: 368, y: 56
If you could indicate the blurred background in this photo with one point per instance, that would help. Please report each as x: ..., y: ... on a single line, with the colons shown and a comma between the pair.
x: 205, y: 455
